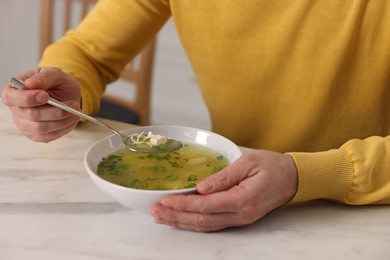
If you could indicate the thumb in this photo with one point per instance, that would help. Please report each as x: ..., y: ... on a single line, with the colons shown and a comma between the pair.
x: 224, y: 179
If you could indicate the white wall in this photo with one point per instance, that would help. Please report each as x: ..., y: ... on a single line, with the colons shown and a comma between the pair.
x: 176, y: 98
x: 18, y: 37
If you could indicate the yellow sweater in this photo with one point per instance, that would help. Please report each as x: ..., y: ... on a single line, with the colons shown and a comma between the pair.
x: 309, y: 78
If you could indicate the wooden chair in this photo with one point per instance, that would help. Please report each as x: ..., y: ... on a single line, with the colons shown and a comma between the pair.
x: 138, y: 74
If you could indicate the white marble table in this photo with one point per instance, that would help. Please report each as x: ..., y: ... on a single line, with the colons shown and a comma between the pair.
x: 50, y: 209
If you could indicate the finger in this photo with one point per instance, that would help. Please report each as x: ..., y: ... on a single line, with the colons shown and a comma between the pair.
x: 193, y: 221
x: 52, y: 135
x: 54, y: 82
x: 45, y: 79
x: 219, y: 202
x: 25, y: 75
x: 44, y: 113
x: 16, y: 97
x: 23, y: 98
x: 189, y: 227
x: 228, y: 177
x: 46, y: 131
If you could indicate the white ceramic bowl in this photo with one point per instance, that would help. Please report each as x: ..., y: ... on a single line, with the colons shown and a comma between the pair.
x: 143, y: 200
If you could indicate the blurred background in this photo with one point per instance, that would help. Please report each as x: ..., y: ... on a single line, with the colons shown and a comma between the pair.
x: 175, y: 96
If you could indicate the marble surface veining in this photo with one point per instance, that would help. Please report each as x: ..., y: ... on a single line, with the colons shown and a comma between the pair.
x: 50, y: 209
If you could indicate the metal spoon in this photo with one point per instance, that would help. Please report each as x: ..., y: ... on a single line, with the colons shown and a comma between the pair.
x: 170, y: 146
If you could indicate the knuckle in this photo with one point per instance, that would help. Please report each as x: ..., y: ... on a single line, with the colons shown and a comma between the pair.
x: 5, y: 99
x: 247, y: 220
x: 224, y: 180
x: 172, y: 218
x: 249, y: 158
x: 169, y: 216
x: 201, y: 220
x: 204, y: 207
x: 41, y: 77
x: 39, y: 127
x: 37, y: 138
x: 220, y: 180
x: 32, y: 114
x: 202, y: 229
x: 34, y: 131
x: 53, y: 70
x: 250, y: 214
x: 46, y: 138
x: 61, y: 113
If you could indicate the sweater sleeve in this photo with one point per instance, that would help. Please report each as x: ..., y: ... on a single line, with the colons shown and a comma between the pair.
x: 357, y: 173
x: 112, y: 34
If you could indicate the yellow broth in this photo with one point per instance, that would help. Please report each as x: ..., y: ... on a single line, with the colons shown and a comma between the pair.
x: 181, y: 169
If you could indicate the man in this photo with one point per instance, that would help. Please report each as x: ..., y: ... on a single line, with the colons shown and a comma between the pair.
x: 305, y: 82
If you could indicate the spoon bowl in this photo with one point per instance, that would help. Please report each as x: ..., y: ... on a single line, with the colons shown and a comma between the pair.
x: 170, y: 146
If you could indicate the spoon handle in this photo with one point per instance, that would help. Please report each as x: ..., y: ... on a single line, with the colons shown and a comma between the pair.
x: 17, y: 83
x: 56, y: 103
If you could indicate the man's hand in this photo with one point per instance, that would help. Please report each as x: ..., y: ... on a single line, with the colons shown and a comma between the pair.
x: 241, y: 194
x: 38, y: 121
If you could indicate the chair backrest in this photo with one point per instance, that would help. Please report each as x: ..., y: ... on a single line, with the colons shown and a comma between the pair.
x: 139, y: 73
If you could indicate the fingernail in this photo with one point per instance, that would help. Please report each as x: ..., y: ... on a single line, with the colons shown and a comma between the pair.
x: 75, y: 105
x: 166, y: 203
x: 204, y: 186
x: 41, y: 98
x: 158, y: 220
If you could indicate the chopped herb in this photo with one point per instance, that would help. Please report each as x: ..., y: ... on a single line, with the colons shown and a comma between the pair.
x: 175, y: 164
x: 136, y: 184
x: 162, y: 146
x: 159, y: 187
x: 146, y: 140
x: 144, y: 184
x: 191, y: 185
x: 192, y: 178
x: 112, y: 164
x: 220, y: 158
x: 159, y: 156
x: 151, y: 179
x: 133, y: 182
x: 163, y: 157
x: 156, y: 168
x: 170, y: 178
x: 218, y: 168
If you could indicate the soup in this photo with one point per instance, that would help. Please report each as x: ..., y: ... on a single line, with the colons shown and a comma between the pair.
x: 181, y: 169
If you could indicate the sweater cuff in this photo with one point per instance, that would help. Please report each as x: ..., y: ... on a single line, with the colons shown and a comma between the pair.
x: 323, y: 175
